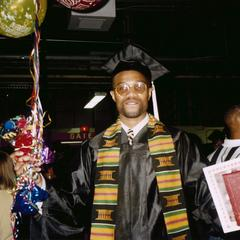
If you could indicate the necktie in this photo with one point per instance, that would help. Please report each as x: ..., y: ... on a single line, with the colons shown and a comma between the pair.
x: 130, y: 135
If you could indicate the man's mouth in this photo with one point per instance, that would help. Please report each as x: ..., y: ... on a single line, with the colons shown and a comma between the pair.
x: 131, y: 103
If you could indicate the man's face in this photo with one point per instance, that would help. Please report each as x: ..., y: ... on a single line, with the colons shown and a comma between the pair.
x: 131, y: 94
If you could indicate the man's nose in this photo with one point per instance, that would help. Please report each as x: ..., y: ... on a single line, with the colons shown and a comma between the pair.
x: 131, y: 91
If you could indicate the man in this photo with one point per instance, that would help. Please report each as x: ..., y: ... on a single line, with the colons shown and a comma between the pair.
x: 230, y: 149
x: 125, y: 182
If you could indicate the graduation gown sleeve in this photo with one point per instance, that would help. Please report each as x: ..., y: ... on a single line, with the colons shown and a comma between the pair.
x: 190, y: 159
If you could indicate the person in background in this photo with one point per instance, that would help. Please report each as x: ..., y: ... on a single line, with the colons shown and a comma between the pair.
x: 130, y: 181
x: 7, y: 184
x: 229, y: 149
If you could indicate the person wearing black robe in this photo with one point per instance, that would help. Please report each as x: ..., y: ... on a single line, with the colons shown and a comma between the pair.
x: 66, y: 214
x: 230, y: 149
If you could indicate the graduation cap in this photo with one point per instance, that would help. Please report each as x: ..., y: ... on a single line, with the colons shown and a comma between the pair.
x: 133, y: 57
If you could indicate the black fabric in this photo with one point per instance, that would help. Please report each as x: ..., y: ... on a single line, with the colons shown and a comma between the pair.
x: 138, y: 187
x: 67, y: 212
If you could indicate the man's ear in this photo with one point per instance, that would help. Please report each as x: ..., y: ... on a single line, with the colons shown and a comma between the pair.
x: 113, y: 95
x: 149, y: 93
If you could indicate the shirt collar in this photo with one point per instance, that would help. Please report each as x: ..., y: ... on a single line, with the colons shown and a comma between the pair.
x: 136, y: 129
x: 231, y: 142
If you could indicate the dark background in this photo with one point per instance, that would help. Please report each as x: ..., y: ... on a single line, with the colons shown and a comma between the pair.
x: 196, y: 40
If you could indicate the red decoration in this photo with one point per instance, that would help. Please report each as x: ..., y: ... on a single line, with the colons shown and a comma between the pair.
x: 23, y: 139
x: 24, y: 142
x: 83, y: 5
x: 21, y: 123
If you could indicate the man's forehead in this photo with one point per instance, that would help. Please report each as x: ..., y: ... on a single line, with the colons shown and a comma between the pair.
x: 129, y: 76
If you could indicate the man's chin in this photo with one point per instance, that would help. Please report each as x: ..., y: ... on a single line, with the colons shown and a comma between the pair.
x: 132, y: 114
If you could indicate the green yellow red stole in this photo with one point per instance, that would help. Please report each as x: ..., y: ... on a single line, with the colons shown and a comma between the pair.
x: 168, y: 180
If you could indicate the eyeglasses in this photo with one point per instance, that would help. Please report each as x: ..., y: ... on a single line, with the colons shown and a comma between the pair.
x: 123, y: 88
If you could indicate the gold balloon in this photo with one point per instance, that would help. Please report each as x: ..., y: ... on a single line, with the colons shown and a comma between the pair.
x: 17, y: 17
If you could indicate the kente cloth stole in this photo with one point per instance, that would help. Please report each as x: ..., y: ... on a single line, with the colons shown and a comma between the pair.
x: 168, y: 181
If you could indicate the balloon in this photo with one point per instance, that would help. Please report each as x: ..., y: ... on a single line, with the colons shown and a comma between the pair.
x: 17, y: 17
x: 83, y: 5
x: 26, y: 199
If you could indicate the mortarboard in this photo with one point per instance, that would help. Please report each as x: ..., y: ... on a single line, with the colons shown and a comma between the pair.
x: 124, y: 65
x: 133, y: 57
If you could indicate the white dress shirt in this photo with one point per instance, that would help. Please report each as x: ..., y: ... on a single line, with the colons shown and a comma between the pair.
x: 136, y: 129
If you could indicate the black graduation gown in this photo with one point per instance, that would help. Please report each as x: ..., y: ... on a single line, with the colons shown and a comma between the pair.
x: 67, y: 211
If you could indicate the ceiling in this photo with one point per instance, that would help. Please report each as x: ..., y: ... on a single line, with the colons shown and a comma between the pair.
x: 190, y: 37
x: 197, y: 40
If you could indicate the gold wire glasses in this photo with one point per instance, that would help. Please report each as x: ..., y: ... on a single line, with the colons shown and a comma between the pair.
x: 124, y: 88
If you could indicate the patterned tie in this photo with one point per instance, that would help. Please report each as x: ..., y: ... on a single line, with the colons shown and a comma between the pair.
x: 130, y: 135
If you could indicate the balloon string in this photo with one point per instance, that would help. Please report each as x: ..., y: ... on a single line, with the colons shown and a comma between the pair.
x: 49, y: 119
x: 36, y: 120
x: 37, y: 112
